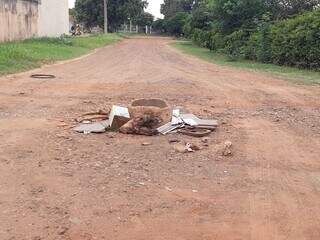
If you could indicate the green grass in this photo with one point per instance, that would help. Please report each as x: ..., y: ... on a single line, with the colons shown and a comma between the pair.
x: 32, y: 53
x: 295, y: 75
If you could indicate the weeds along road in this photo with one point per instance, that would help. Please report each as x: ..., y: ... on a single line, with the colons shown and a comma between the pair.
x: 56, y: 184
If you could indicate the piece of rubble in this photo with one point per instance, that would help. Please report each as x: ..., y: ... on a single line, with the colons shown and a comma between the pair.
x: 167, y: 128
x: 146, y: 143
x: 227, y: 148
x: 180, y: 148
x: 97, y: 127
x: 176, y: 120
x: 194, y: 147
x: 185, y: 148
x: 192, y: 120
x: 118, y: 117
x: 181, y: 120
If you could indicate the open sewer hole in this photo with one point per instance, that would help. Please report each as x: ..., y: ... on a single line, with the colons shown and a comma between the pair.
x: 43, y: 76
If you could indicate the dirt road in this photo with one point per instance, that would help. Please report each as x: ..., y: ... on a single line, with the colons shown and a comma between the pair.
x: 56, y: 184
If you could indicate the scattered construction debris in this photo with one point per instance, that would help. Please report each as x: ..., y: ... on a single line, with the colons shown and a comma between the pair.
x: 191, y: 124
x: 148, y: 117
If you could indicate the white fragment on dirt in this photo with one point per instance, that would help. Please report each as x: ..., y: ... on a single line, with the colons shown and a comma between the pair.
x: 98, y: 127
x: 118, y: 117
x: 185, y: 148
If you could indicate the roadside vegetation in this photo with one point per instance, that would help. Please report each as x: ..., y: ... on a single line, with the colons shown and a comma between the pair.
x: 292, y: 74
x: 32, y: 53
x: 267, y: 31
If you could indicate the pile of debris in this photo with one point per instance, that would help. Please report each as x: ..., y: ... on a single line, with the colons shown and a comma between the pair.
x: 147, y: 117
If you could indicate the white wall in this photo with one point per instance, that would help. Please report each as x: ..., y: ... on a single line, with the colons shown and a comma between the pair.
x: 18, y: 20
x: 53, y: 18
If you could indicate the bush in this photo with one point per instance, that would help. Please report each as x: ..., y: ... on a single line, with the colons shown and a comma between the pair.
x: 236, y: 44
x: 217, y: 41
x: 259, y: 43
x: 209, y: 39
x: 296, y: 42
x: 292, y: 42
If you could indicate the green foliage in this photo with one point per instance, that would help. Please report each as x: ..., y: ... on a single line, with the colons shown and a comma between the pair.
x: 202, y: 38
x: 282, y: 9
x: 243, y: 29
x: 31, y: 53
x: 188, y: 29
x: 144, y: 19
x: 296, y: 42
x: 236, y: 44
x: 159, y: 25
x: 231, y: 15
x: 201, y: 17
x: 170, y: 8
x: 174, y: 25
x: 89, y: 12
x: 259, y: 43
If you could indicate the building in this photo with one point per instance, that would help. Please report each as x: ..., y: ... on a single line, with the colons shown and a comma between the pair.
x: 21, y: 19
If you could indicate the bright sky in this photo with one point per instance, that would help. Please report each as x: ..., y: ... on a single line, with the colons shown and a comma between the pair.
x: 154, y: 7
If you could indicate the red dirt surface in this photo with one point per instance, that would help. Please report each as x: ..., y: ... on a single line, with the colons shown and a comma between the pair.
x: 56, y: 184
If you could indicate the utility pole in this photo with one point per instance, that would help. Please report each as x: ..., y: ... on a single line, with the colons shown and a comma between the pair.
x: 105, y: 16
x: 129, y: 18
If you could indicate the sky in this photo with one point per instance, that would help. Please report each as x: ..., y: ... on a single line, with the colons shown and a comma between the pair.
x: 154, y: 7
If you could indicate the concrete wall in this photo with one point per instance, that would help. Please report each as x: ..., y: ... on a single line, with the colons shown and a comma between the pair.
x: 21, y: 19
x: 18, y: 19
x: 53, y: 18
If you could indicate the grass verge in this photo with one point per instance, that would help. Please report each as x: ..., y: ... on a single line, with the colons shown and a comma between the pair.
x: 295, y: 75
x: 32, y: 53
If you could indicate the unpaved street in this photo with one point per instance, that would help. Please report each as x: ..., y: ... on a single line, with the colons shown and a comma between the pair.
x: 56, y: 184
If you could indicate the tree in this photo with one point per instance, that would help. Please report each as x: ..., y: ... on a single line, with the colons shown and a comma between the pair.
x: 91, y: 13
x: 282, y: 9
x: 144, y: 19
x: 159, y: 25
x: 170, y: 7
x: 231, y: 15
x: 201, y: 16
x: 174, y: 25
